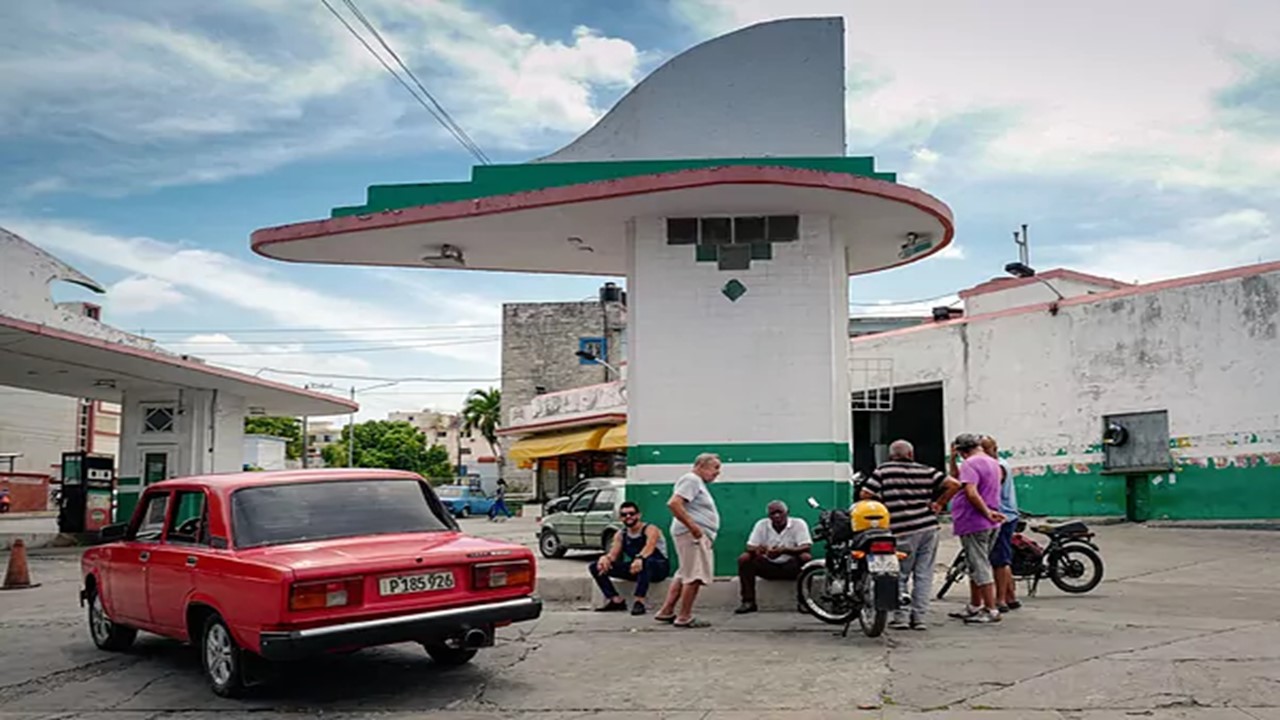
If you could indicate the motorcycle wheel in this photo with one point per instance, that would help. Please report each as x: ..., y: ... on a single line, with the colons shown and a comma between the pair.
x: 812, y: 585
x: 1075, y: 569
x: 955, y: 573
x: 871, y: 618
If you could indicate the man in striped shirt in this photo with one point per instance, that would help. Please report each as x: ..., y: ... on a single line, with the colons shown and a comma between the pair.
x: 907, y: 489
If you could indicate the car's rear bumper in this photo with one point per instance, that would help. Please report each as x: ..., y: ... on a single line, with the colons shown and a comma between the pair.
x: 433, y: 625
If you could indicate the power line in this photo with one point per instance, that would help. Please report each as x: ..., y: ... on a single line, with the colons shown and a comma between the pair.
x: 891, y: 303
x: 457, y: 133
x: 372, y: 378
x: 328, y: 351
x: 444, y: 116
x: 328, y: 341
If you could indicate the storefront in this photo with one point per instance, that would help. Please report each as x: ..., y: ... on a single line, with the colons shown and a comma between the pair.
x: 565, y: 443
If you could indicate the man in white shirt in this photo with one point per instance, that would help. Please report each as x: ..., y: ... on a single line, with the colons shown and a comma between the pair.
x: 694, y: 524
x: 777, y: 549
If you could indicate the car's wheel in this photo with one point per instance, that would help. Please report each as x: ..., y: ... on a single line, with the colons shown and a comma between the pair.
x: 550, y: 546
x: 466, y: 511
x: 106, y: 634
x: 223, y: 660
x: 443, y: 654
x: 606, y: 540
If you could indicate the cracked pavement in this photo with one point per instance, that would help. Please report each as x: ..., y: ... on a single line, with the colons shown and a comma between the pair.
x: 1186, y: 625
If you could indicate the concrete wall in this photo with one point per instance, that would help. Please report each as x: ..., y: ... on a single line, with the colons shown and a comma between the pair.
x: 1206, y: 352
x: 762, y: 380
x: 265, y: 452
x: 538, y: 345
x: 208, y: 435
x: 39, y: 426
x: 1029, y: 293
x: 774, y: 89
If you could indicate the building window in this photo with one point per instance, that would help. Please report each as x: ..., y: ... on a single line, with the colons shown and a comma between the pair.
x: 733, y: 242
x: 158, y: 419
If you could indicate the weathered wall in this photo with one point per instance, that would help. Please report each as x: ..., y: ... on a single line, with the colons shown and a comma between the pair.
x: 1206, y: 352
x: 1028, y: 294
x: 538, y: 345
x: 38, y: 425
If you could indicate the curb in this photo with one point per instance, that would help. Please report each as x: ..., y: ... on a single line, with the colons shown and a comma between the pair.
x: 1268, y: 525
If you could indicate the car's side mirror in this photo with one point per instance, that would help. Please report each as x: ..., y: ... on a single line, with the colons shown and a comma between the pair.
x: 813, y: 503
x: 111, y: 533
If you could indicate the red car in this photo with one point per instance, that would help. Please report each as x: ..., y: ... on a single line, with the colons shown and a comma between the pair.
x: 280, y: 565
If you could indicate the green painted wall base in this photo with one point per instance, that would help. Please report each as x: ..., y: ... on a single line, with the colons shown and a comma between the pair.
x: 1248, y: 488
x: 741, y: 505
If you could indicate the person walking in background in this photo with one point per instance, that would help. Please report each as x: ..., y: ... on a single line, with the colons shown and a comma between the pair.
x: 695, y: 522
x: 639, y: 553
x: 975, y: 522
x: 500, y: 503
x: 907, y: 489
x: 1002, y: 553
x: 777, y: 549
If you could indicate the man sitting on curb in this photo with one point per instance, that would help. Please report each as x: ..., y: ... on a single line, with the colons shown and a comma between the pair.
x: 639, y: 553
x: 777, y: 549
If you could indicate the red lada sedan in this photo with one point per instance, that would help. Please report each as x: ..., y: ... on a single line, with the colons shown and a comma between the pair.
x: 280, y: 565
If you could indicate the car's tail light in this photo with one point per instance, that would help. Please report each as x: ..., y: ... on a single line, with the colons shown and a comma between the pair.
x: 502, y: 574
x: 880, y: 547
x: 321, y: 595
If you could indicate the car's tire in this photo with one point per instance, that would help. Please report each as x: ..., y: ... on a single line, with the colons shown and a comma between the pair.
x: 606, y: 539
x: 106, y: 634
x: 222, y: 659
x: 466, y: 511
x: 550, y: 545
x: 442, y: 654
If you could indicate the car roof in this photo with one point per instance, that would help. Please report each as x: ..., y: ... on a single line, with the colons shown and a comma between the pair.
x: 227, y: 483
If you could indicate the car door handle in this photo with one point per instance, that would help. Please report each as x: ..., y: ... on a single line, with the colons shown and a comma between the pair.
x: 191, y: 561
x: 144, y: 556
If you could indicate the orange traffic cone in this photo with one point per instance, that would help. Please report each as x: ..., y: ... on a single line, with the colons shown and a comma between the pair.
x: 18, y: 577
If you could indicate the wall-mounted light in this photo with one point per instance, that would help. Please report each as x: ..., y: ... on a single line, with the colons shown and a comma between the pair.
x: 1024, y: 271
x: 105, y: 383
x: 449, y: 256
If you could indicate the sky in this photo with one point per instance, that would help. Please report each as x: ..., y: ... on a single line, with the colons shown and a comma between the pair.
x: 144, y: 141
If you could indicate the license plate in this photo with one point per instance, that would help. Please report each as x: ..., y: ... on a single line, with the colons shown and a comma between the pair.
x: 406, y: 584
x: 882, y: 563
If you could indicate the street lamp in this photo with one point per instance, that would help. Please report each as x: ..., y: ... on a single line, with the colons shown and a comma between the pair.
x: 1024, y: 271
x: 591, y: 357
x: 351, y: 420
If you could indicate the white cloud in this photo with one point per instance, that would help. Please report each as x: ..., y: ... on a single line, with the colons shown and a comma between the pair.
x: 155, y: 93
x: 953, y: 251
x: 1086, y: 87
x: 140, y: 294
x: 1201, y: 245
x: 891, y: 308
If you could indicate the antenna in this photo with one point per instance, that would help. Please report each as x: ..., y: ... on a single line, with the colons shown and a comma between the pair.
x: 1020, y: 239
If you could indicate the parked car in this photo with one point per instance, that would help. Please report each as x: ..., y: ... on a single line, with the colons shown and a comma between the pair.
x: 560, y: 504
x: 464, y: 501
x: 589, y: 522
x: 269, y: 566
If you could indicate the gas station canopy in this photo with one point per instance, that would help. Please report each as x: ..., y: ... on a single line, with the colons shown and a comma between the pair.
x: 46, y: 359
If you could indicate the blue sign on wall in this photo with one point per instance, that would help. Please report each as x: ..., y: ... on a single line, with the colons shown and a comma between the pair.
x: 596, y: 347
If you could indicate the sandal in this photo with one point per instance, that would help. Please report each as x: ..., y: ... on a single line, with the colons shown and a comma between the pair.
x: 669, y: 619
x: 693, y: 623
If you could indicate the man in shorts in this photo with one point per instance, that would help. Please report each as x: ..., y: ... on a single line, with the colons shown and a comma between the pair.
x: 695, y: 521
x: 976, y: 524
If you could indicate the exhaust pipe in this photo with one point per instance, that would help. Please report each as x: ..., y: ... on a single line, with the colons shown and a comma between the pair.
x: 475, y: 638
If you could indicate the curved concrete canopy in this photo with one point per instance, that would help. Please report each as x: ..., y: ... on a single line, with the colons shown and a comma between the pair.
x: 538, y: 231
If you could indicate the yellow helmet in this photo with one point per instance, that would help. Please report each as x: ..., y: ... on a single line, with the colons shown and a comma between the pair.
x: 868, y: 514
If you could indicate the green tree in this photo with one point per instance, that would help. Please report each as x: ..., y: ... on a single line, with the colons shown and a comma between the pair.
x: 285, y: 427
x: 483, y: 412
x: 394, y: 445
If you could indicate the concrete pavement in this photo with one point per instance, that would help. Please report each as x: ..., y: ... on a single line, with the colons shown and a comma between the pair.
x: 1186, y: 625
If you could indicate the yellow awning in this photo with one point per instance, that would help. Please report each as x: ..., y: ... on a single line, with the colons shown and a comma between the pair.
x: 615, y: 438
x: 551, y: 445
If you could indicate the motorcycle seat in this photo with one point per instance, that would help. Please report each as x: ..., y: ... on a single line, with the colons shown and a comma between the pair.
x: 1071, y: 527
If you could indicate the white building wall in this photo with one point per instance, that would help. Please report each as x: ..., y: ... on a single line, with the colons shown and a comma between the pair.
x: 1030, y: 294
x: 39, y: 426
x: 265, y: 452
x: 1206, y: 352
x: 705, y: 369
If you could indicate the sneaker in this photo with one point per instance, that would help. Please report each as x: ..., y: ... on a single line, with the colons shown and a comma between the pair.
x: 919, y: 625
x: 968, y: 612
x: 1014, y: 605
x: 612, y: 606
x: 746, y: 607
x: 1002, y: 608
x: 983, y: 617
x: 899, y: 625
x: 637, y: 608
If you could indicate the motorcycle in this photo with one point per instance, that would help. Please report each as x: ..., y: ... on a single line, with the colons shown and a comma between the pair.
x: 1071, y: 559
x: 858, y: 578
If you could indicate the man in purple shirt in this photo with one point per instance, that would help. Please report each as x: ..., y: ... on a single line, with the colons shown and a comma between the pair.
x: 975, y: 521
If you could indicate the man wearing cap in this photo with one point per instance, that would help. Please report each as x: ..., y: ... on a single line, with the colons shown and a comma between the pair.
x: 975, y: 522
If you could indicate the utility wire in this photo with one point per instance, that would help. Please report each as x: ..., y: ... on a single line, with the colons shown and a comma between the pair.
x: 891, y: 303
x: 462, y: 138
x: 326, y: 351
x: 327, y: 341
x: 372, y: 378
x: 385, y: 328
x: 443, y: 115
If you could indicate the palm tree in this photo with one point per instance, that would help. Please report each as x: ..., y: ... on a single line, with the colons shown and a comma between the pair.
x: 483, y: 412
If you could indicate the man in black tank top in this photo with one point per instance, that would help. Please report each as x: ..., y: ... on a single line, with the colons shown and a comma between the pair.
x: 638, y: 553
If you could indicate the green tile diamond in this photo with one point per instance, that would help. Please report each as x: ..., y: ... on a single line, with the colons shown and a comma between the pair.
x: 733, y: 290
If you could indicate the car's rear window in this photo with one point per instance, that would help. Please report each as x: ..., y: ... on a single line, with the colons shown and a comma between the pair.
x: 302, y: 512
